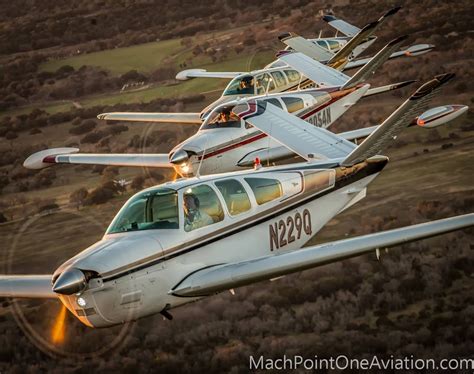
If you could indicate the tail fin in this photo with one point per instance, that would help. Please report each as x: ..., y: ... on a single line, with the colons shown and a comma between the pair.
x: 397, y: 121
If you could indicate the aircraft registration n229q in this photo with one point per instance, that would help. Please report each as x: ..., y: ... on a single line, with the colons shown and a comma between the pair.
x: 184, y: 240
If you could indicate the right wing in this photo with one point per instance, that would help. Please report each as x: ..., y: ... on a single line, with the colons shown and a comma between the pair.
x: 397, y: 121
x: 300, y: 44
x: 203, y: 73
x: 414, y: 50
x: 49, y: 157
x: 30, y: 286
x: 306, y: 140
x: 312, y: 69
x: 223, y: 277
x: 184, y: 118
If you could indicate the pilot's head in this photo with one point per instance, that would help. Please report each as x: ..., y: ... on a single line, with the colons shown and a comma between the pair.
x: 191, y: 205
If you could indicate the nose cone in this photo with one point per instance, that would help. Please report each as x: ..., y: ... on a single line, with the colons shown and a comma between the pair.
x: 70, y: 282
x: 179, y: 157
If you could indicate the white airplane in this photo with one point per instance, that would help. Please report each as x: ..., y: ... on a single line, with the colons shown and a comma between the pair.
x: 278, y: 76
x: 182, y: 241
x: 226, y: 143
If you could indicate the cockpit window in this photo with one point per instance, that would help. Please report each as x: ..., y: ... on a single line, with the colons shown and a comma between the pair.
x: 201, y: 207
x: 241, y: 86
x: 279, y: 78
x: 235, y: 196
x: 333, y: 45
x: 155, y: 209
x: 293, y: 104
x: 222, y: 118
x: 322, y: 43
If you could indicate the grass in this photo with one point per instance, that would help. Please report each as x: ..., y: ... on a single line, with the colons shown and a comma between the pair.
x: 142, y: 57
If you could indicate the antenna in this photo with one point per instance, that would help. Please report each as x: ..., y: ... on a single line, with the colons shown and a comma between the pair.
x: 202, y: 157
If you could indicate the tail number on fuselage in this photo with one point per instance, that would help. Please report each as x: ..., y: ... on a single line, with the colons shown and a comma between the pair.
x: 321, y: 118
x: 286, y: 231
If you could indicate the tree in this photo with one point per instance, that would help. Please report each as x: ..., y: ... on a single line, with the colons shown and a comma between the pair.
x: 78, y: 197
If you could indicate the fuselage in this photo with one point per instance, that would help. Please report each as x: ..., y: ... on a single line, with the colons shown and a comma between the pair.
x: 139, y: 261
x: 222, y: 146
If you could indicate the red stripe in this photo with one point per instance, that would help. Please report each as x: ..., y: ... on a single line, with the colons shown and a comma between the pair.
x: 50, y: 159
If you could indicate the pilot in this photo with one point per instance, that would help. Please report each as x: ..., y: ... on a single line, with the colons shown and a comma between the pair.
x: 224, y: 116
x: 246, y: 83
x: 194, y: 218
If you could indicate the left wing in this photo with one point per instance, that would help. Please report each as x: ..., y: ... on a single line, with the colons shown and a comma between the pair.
x: 223, y: 277
x: 203, y: 73
x: 30, y: 286
x: 306, y: 140
x: 49, y: 157
x: 184, y: 118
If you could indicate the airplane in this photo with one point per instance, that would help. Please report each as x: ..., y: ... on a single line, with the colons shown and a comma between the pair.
x: 278, y: 76
x: 182, y: 241
x: 229, y: 144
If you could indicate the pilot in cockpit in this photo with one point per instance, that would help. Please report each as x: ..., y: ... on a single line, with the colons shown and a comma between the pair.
x: 194, y: 217
x: 246, y: 83
x: 224, y: 116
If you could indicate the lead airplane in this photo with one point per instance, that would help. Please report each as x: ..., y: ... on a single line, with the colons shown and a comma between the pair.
x: 226, y: 143
x: 185, y: 240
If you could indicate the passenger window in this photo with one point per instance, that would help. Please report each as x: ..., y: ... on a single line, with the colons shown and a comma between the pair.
x: 201, y: 207
x: 264, y: 84
x: 235, y: 196
x: 293, y: 76
x: 264, y: 189
x: 279, y: 78
x: 293, y: 104
x: 274, y: 102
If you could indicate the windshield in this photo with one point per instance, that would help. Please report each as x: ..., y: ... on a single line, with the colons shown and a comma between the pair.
x: 221, y: 118
x: 241, y: 86
x: 155, y: 209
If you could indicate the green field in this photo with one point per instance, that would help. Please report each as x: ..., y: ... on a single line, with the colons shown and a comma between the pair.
x: 138, y: 58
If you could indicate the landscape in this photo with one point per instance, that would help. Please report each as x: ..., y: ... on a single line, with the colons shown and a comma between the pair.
x: 64, y: 63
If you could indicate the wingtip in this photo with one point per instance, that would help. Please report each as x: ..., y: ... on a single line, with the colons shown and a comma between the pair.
x: 392, y: 11
x: 284, y: 53
x: 286, y: 35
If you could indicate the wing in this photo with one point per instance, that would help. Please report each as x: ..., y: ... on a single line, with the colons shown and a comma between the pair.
x: 397, y: 121
x: 31, y: 286
x: 223, y: 277
x: 414, y: 50
x: 203, y: 73
x: 185, y: 118
x: 314, y: 70
x: 341, y: 25
x: 306, y: 140
x: 49, y: 157
x: 351, y: 30
x: 305, y: 46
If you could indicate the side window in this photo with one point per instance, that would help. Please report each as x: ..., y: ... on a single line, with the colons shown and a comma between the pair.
x: 264, y: 82
x: 333, y: 45
x: 201, y: 207
x: 279, y: 78
x: 293, y: 76
x: 293, y: 104
x: 235, y: 197
x: 274, y: 102
x: 264, y: 189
